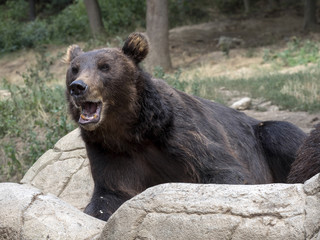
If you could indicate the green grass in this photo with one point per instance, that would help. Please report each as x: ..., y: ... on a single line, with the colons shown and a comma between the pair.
x: 297, y: 52
x: 32, y: 120
x: 294, y: 92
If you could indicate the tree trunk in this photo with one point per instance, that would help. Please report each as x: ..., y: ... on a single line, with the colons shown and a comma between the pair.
x: 246, y: 6
x: 310, y: 18
x: 32, y: 10
x: 95, y: 20
x: 158, y: 34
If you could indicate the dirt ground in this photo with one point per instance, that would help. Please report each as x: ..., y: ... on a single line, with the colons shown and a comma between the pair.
x: 197, y: 48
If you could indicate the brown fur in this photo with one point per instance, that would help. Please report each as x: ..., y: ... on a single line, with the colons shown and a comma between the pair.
x: 149, y: 133
x: 136, y: 47
x: 72, y: 52
x: 307, y: 163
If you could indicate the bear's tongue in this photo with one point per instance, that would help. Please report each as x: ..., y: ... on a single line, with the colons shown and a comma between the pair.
x: 90, y: 112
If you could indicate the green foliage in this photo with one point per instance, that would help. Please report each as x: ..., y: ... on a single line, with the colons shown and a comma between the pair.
x: 34, y: 34
x: 70, y: 24
x: 122, y: 15
x: 18, y: 36
x: 298, y: 52
x: 9, y: 36
x: 183, y: 12
x: 61, y: 21
x: 16, y: 32
x: 229, y: 6
x: 296, y: 92
x: 52, y: 7
x: 176, y: 82
x: 159, y: 73
x: 32, y: 120
x: 15, y: 10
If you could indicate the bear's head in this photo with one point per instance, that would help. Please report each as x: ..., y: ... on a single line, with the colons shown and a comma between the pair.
x: 102, y: 84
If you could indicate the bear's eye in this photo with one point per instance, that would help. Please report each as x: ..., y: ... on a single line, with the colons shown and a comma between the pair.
x: 75, y: 70
x: 104, y: 67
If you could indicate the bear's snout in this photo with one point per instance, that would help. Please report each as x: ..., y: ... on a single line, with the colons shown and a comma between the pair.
x: 78, y: 88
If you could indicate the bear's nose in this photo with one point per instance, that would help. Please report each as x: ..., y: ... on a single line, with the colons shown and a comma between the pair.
x: 78, y: 88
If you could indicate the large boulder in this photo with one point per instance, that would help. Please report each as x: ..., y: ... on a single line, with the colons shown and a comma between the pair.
x: 195, y: 211
x: 64, y: 171
x: 62, y: 185
x: 27, y: 213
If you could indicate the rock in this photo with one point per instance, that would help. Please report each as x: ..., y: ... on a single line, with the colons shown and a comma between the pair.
x: 168, y: 211
x: 226, y: 43
x: 4, y: 94
x: 229, y: 42
x: 195, y: 211
x: 274, y: 109
x: 27, y: 213
x: 242, y: 104
x: 64, y: 171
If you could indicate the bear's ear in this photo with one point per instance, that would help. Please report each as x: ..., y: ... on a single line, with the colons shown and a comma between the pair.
x: 136, y: 47
x: 72, y: 52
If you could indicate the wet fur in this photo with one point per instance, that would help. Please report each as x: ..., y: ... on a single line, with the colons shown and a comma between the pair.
x: 151, y: 133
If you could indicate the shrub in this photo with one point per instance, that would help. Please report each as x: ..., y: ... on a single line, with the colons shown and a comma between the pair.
x: 32, y: 120
x: 297, y: 52
x: 229, y: 6
x: 15, y: 32
x: 9, y: 36
x: 34, y: 34
x: 183, y: 12
x: 15, y: 10
x: 122, y: 16
x: 70, y: 24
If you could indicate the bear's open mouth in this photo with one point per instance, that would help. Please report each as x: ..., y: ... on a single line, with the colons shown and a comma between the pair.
x: 90, y: 112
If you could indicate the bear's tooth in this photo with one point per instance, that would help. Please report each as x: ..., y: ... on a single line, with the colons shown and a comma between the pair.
x: 83, y: 117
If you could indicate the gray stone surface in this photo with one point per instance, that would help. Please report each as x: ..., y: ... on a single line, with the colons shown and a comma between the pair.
x: 242, y: 104
x: 195, y: 211
x: 64, y: 171
x: 61, y: 177
x: 27, y: 213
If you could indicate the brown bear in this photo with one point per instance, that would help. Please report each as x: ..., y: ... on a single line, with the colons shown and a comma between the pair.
x: 140, y: 132
x: 307, y: 163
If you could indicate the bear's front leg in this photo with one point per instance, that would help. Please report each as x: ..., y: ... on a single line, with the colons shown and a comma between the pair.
x: 104, y: 203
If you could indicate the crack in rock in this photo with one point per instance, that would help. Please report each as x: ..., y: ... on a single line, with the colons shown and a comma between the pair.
x: 67, y: 150
x: 226, y: 212
x: 34, y: 198
x: 70, y: 177
x: 43, y: 166
x: 234, y: 229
